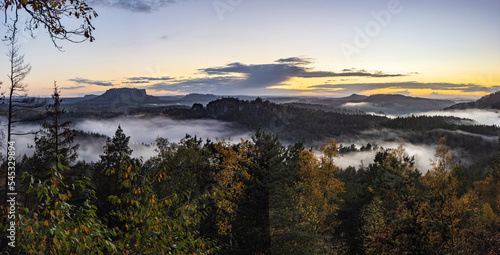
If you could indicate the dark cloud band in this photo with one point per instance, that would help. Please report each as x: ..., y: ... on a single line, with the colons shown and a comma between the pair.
x: 91, y: 82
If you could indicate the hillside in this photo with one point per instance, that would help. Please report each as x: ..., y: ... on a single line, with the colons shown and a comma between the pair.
x: 290, y: 122
x: 120, y: 99
x: 380, y: 104
x: 491, y: 101
x: 293, y: 123
x: 400, y: 104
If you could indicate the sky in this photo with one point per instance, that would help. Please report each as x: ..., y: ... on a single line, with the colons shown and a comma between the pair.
x: 428, y: 48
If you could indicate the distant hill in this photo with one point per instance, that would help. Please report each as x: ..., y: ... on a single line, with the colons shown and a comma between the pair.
x: 401, y: 105
x: 491, y: 101
x: 332, y: 101
x: 291, y: 123
x: 193, y: 98
x: 380, y: 103
x: 200, y: 97
x: 121, y: 97
x: 126, y: 98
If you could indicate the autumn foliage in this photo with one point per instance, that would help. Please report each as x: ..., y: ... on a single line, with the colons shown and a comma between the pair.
x: 252, y: 197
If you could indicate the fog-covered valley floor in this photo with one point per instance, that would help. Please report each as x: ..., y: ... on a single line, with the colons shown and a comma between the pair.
x: 143, y: 133
x: 145, y: 130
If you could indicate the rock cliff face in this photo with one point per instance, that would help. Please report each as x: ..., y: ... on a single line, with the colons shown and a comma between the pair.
x: 491, y: 101
x: 122, y: 97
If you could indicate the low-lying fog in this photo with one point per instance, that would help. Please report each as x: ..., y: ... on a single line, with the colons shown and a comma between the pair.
x: 144, y: 131
x: 423, y: 155
x: 483, y: 117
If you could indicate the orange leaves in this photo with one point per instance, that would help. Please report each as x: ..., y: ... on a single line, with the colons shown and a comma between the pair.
x: 320, y: 189
x: 233, y: 166
x: 330, y: 149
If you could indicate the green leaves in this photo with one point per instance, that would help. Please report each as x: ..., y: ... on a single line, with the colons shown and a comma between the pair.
x: 54, y: 226
x: 152, y: 224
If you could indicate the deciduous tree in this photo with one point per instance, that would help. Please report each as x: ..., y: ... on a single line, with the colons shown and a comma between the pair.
x: 54, y: 16
x: 55, y: 226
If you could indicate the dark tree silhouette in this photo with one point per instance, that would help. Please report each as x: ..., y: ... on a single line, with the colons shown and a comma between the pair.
x: 56, y: 137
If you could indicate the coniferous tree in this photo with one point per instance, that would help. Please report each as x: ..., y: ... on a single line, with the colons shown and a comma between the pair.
x: 107, y: 184
x: 54, y: 143
x: 394, y: 219
x: 254, y: 233
x: 116, y: 149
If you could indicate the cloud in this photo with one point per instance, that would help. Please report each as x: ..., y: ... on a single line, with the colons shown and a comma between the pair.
x: 240, y: 78
x: 255, y: 76
x: 285, y: 70
x: 134, y: 5
x: 403, y: 86
x: 142, y: 80
x: 74, y: 87
x: 197, y: 85
x: 91, y: 82
x: 150, y: 78
x: 135, y: 82
x: 295, y: 60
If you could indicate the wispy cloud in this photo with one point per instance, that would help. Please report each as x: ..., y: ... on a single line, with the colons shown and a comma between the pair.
x: 149, y: 78
x: 135, y: 82
x: 91, y: 82
x: 74, y: 87
x: 197, y: 85
x: 135, y: 5
x: 295, y: 60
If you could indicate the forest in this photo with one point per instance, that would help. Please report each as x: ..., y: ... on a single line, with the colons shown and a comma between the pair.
x: 280, y: 191
x: 253, y: 196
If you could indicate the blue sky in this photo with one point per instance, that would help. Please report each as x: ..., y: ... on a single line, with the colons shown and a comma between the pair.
x: 439, y: 48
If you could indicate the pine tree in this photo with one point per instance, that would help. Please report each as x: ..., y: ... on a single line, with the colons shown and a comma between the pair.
x: 253, y: 232
x: 116, y: 151
x: 54, y: 143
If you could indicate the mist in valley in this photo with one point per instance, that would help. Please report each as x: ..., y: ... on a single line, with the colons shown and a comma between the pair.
x: 423, y: 155
x: 144, y: 131
x: 479, y: 116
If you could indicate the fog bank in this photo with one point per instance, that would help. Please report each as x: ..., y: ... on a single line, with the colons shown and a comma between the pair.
x: 483, y: 117
x: 423, y: 155
x: 143, y: 132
